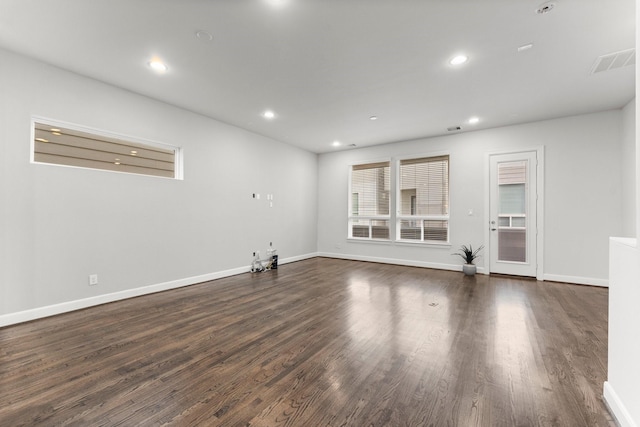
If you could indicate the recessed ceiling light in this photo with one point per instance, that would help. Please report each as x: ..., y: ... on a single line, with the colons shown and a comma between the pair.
x: 42, y: 140
x: 277, y: 3
x: 55, y: 130
x: 473, y: 120
x: 269, y: 114
x: 133, y: 153
x: 525, y: 47
x: 56, y: 133
x: 158, y: 66
x: 373, y: 118
x: 204, y: 36
x: 336, y: 143
x: 459, y: 60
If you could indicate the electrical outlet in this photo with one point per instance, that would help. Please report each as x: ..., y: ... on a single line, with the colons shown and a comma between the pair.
x: 93, y: 279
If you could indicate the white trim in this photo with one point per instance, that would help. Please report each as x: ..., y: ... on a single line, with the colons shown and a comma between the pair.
x: 616, y: 407
x: 422, y: 155
x: 368, y: 240
x: 65, y: 307
x: 423, y: 243
x: 366, y: 162
x: 298, y: 258
x: 540, y: 173
x: 576, y: 280
x: 632, y: 242
x: 396, y: 261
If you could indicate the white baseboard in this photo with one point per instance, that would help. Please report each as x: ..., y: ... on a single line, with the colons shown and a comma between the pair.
x: 298, y: 258
x: 457, y: 267
x: 616, y: 407
x: 577, y: 280
x: 395, y: 261
x: 65, y: 307
x: 51, y: 310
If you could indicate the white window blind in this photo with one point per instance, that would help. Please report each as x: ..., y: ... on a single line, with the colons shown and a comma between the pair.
x: 512, y: 218
x: 511, y: 187
x: 71, y: 147
x: 369, y: 202
x: 423, y: 199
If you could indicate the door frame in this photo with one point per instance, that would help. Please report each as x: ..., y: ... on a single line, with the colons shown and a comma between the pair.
x: 539, y: 208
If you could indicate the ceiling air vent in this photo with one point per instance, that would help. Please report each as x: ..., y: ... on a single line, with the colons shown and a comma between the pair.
x: 453, y: 128
x: 614, y: 60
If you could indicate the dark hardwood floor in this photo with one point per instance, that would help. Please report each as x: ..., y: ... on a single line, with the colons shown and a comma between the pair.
x: 319, y: 342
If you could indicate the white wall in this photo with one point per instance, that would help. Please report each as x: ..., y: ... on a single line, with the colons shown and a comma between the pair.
x: 583, y: 197
x: 61, y: 224
x: 629, y: 170
x: 622, y: 388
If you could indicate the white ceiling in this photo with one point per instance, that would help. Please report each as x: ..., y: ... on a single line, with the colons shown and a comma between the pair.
x: 326, y: 66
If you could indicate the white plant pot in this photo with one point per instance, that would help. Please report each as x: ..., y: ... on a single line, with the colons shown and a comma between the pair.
x: 469, y: 269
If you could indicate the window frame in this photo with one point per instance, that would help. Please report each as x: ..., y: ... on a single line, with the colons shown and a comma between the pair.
x: 399, y: 217
x: 178, y: 172
x: 370, y: 218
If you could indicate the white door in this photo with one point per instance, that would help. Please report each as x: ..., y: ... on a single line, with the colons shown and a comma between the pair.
x: 513, y: 207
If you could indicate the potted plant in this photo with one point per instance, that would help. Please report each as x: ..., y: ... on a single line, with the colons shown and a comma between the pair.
x: 468, y: 255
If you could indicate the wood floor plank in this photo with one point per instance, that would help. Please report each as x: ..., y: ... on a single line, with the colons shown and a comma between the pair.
x: 320, y: 342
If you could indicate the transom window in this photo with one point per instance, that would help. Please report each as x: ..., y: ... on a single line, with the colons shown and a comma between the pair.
x: 64, y: 145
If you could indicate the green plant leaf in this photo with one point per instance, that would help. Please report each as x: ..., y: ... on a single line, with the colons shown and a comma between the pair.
x: 468, y: 254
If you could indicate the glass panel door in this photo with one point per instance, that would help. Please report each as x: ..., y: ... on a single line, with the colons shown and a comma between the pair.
x: 512, y: 242
x: 512, y: 211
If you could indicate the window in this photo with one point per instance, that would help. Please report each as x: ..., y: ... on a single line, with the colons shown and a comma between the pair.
x: 369, y: 210
x: 512, y: 218
x: 60, y: 145
x: 423, y: 200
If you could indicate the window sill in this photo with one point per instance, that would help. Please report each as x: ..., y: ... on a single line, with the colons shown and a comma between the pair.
x: 443, y: 245
x: 376, y: 241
